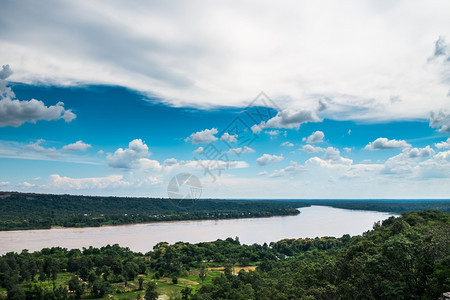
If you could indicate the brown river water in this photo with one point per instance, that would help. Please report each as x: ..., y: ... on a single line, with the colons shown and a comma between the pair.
x: 314, y: 221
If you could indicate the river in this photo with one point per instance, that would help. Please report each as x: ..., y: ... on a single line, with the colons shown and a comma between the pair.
x: 314, y: 221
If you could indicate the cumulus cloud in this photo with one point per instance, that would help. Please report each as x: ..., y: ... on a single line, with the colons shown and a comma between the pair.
x: 312, y: 149
x: 78, y: 146
x: 68, y: 183
x: 4, y: 183
x: 133, y: 157
x: 14, y: 112
x: 443, y: 145
x: 292, y: 169
x: 266, y: 159
x: 440, y: 120
x: 5, y: 72
x: 384, y: 143
x: 316, y: 137
x: 419, y: 163
x: 239, y: 151
x: 170, y: 162
x: 199, y: 150
x: 229, y: 137
x: 420, y: 152
x: 287, y: 144
x: 289, y: 118
x: 37, y: 147
x: 257, y: 128
x: 204, y: 136
x: 333, y: 155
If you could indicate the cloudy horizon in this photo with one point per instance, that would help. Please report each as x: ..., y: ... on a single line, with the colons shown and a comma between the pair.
x: 106, y: 98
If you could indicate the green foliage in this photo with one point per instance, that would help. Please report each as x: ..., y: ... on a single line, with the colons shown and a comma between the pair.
x: 150, y: 292
x: 35, y: 211
x: 401, y: 258
x: 388, y: 205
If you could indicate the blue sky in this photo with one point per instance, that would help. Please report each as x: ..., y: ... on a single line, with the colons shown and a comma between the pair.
x: 104, y: 99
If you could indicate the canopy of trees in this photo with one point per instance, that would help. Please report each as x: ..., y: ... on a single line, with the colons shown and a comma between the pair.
x: 42, y: 211
x: 401, y: 258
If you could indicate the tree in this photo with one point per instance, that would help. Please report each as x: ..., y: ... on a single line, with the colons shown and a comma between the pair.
x: 100, y: 287
x: 76, y: 286
x: 202, y: 274
x: 174, y: 279
x: 141, y: 282
x: 151, y: 293
x: 186, y: 293
x: 16, y: 293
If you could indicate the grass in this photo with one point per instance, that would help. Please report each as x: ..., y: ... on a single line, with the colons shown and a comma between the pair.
x: 165, y: 286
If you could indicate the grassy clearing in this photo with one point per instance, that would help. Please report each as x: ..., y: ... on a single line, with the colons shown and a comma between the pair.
x: 165, y: 286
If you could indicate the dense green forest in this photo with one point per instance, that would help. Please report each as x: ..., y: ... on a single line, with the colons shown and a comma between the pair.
x: 388, y: 205
x: 40, y: 211
x: 401, y: 258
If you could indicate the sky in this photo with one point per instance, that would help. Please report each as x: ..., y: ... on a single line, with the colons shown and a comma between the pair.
x: 263, y: 100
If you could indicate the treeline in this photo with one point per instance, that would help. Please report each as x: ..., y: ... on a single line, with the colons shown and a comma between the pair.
x: 387, y: 205
x: 401, y: 258
x: 42, y: 211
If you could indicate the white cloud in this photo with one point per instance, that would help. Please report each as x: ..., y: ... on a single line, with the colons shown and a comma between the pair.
x: 5, y: 72
x: 26, y: 184
x: 263, y: 173
x: 68, y: 183
x: 76, y: 147
x: 384, y: 143
x: 312, y: 149
x: 347, y: 149
x: 420, y: 152
x: 257, y: 128
x: 199, y: 150
x: 229, y: 137
x: 133, y: 157
x: 266, y: 159
x: 170, y: 162
x: 239, y: 151
x: 214, y: 165
x: 287, y: 144
x: 14, y: 112
x: 440, y: 120
x: 272, y: 132
x: 316, y: 137
x: 148, y: 164
x: 289, y: 118
x: 204, y: 136
x: 4, y: 183
x: 333, y: 155
x: 292, y: 169
x: 37, y: 147
x: 419, y: 163
x: 443, y: 145
x: 181, y: 58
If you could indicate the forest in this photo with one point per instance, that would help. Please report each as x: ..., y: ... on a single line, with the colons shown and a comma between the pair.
x: 20, y: 211
x: 407, y: 257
